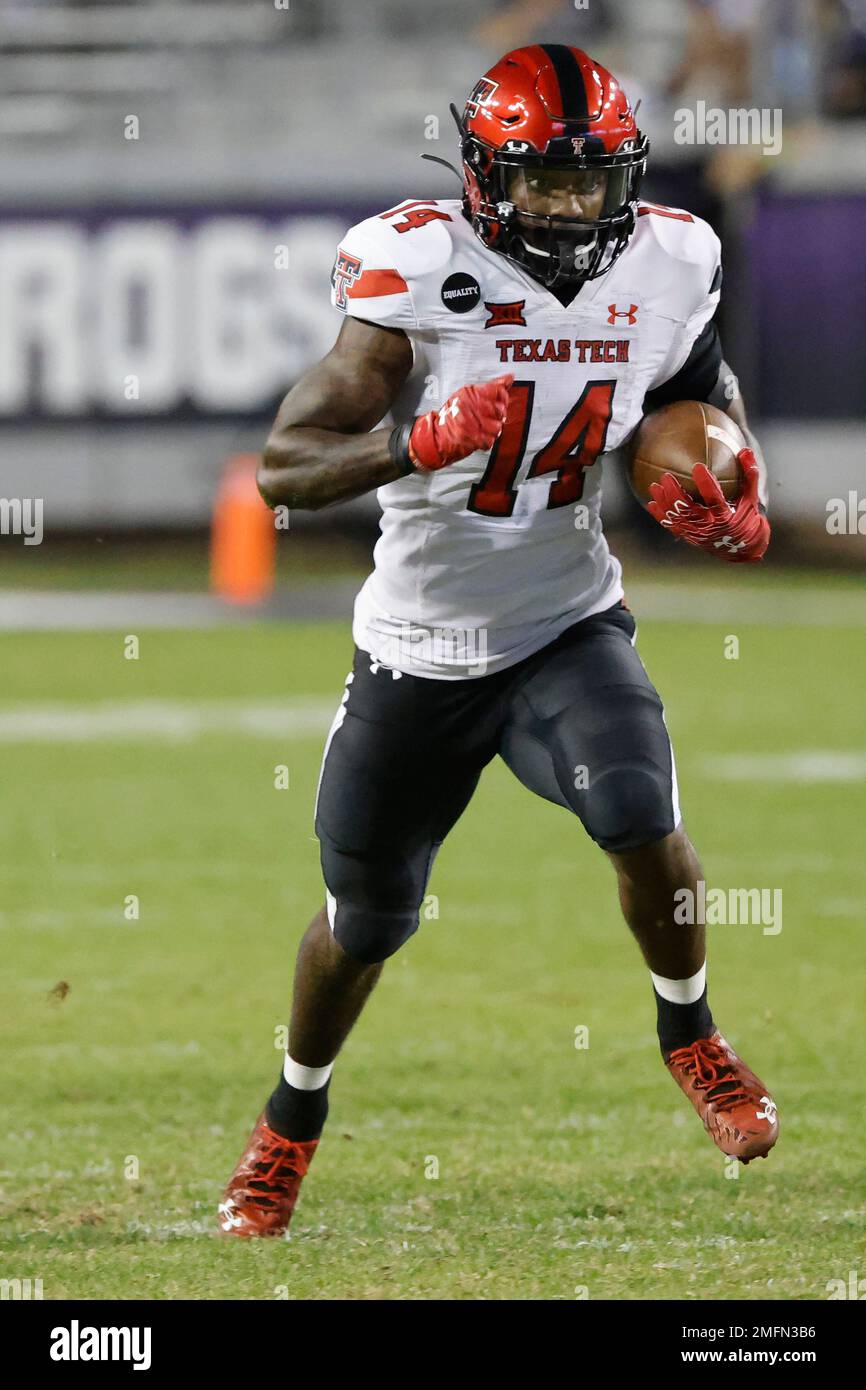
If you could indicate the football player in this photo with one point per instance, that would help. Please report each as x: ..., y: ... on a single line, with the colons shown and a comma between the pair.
x: 541, y: 315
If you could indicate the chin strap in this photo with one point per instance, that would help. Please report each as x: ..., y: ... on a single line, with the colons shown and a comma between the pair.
x: 537, y: 264
x: 434, y: 159
x: 566, y: 265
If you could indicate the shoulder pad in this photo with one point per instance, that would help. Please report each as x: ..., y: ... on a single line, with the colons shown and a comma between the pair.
x: 380, y: 259
x: 686, y: 256
x: 680, y: 234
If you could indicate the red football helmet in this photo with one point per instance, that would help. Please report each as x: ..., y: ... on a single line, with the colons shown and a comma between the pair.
x: 549, y: 131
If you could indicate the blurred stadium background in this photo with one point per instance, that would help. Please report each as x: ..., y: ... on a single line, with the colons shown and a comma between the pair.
x: 155, y: 158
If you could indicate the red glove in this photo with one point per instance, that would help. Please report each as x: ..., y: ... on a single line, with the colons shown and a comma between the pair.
x: 736, y: 532
x: 470, y: 419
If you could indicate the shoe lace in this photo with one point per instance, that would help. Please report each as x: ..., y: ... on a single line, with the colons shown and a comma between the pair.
x: 713, y: 1073
x: 277, y: 1168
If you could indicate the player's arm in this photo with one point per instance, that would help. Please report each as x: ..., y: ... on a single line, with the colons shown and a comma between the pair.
x: 736, y: 408
x: 321, y: 449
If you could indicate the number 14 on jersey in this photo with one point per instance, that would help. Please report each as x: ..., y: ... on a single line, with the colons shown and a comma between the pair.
x: 574, y: 446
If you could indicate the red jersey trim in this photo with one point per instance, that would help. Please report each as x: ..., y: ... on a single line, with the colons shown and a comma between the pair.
x: 373, y: 283
x: 644, y: 209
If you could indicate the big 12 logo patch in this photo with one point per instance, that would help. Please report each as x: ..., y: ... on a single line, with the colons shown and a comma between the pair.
x: 346, y: 271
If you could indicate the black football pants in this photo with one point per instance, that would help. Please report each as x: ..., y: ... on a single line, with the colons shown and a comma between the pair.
x: 578, y: 722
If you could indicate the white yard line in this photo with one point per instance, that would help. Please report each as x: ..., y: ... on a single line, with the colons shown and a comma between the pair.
x: 183, y: 721
x: 35, y: 610
x: 807, y: 765
x: 658, y: 601
x: 734, y: 603
x: 178, y: 721
x: 97, y: 610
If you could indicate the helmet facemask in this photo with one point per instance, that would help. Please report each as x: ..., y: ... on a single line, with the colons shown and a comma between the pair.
x: 563, y: 221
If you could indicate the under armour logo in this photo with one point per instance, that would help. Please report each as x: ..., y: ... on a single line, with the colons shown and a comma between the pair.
x: 451, y: 408
x: 769, y: 1110
x: 728, y: 543
x: 228, y: 1220
x: 377, y: 666
x: 673, y: 512
x: 613, y: 313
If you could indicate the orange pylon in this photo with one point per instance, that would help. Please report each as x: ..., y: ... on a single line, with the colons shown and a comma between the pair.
x: 243, y: 536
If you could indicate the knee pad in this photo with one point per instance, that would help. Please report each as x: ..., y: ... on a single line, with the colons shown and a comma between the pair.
x: 628, y: 806
x: 370, y: 934
x: 374, y: 899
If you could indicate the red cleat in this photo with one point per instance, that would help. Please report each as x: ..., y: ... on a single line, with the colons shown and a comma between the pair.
x: 738, y: 1114
x: 262, y: 1191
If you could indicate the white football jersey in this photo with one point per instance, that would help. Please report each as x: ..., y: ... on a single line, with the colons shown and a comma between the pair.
x: 485, y: 561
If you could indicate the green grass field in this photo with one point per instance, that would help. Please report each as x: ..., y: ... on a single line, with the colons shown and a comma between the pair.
x: 559, y: 1170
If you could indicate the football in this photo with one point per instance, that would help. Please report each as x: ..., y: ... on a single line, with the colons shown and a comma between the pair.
x: 675, y: 438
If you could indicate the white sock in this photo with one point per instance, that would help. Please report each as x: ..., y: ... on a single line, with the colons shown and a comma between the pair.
x: 681, y: 991
x: 305, y: 1078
